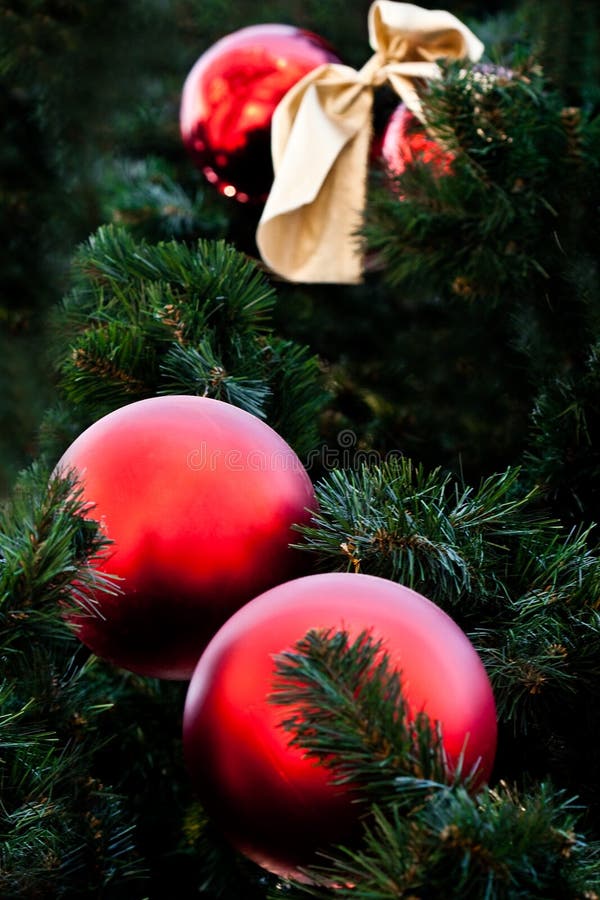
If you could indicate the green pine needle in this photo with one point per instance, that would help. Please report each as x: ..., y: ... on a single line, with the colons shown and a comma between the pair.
x: 424, y: 530
x: 347, y: 711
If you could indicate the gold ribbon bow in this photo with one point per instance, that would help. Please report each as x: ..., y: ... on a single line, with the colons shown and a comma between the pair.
x: 321, y: 131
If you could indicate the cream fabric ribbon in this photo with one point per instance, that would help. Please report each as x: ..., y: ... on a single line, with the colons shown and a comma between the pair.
x: 321, y: 131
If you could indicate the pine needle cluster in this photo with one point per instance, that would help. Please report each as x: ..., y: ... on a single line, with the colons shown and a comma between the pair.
x: 61, y: 828
x: 145, y: 319
x: 426, y: 834
x: 522, y: 585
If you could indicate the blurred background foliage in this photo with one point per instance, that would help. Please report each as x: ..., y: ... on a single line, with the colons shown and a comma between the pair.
x: 89, y: 116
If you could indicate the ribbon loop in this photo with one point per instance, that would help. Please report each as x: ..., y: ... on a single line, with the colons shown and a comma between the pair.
x: 321, y: 133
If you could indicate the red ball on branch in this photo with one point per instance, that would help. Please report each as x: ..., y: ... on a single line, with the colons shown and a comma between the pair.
x: 199, y: 499
x: 229, y: 98
x: 275, y: 804
x: 405, y: 142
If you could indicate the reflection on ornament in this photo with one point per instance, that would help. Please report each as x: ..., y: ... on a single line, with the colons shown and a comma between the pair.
x: 276, y: 805
x: 405, y: 142
x: 199, y: 498
x: 229, y: 98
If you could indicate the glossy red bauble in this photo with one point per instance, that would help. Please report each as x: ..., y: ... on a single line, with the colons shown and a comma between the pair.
x: 229, y: 98
x: 405, y: 142
x: 199, y: 498
x: 276, y: 806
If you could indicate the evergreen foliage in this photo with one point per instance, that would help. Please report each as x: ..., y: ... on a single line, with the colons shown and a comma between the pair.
x: 81, y: 815
x: 74, y: 76
x: 519, y: 583
x: 62, y: 829
x: 146, y: 197
x: 520, y: 157
x: 494, y: 267
x: 447, y: 409
x: 563, y: 455
x: 421, y: 529
x: 348, y: 712
x: 169, y: 318
x: 428, y: 835
x: 566, y: 39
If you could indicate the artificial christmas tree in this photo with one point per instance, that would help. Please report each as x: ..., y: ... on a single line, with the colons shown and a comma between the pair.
x: 445, y: 410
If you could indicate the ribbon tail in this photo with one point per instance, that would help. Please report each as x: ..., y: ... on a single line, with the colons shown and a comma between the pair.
x: 307, y: 232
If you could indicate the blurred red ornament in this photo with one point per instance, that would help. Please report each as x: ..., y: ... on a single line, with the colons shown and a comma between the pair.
x: 229, y: 98
x: 275, y: 805
x: 405, y: 142
x: 199, y: 498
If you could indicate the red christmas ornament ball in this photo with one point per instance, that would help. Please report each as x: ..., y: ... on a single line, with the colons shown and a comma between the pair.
x: 405, y: 142
x: 275, y: 805
x: 199, y: 498
x: 229, y: 98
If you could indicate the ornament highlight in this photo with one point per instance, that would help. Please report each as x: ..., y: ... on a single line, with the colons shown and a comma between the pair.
x: 274, y: 805
x: 199, y: 498
x: 229, y: 98
x: 406, y: 142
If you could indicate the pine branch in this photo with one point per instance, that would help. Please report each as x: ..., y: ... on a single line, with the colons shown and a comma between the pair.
x: 147, y: 319
x: 348, y: 712
x: 478, y: 124
x: 45, y: 551
x: 524, y: 589
x: 497, y: 846
x: 563, y: 452
x: 428, y: 835
x: 60, y: 829
x: 423, y: 529
x: 296, y: 405
x: 223, y: 872
x: 220, y: 284
x: 507, y: 224
x: 196, y: 370
x: 144, y: 196
x: 108, y: 367
x: 545, y: 659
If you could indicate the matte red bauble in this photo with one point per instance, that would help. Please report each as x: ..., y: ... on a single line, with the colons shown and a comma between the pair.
x: 275, y: 805
x: 229, y: 98
x: 199, y: 498
x: 405, y: 142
